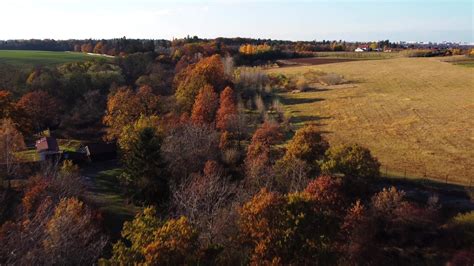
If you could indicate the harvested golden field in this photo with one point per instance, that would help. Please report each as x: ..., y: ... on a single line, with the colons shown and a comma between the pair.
x: 415, y: 114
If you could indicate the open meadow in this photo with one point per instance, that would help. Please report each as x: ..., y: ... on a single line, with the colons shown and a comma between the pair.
x: 31, y: 58
x: 415, y: 114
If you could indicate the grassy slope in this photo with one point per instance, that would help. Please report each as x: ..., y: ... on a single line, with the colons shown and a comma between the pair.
x: 33, y: 58
x: 415, y: 114
x: 105, y: 191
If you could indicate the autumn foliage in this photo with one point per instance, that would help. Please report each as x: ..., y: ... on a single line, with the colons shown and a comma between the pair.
x: 71, y: 232
x: 6, y: 104
x: 208, y: 71
x: 205, y: 163
x: 258, y: 160
x: 307, y: 144
x: 42, y: 109
x: 205, y: 106
x: 125, y: 106
x: 287, y: 229
x: 353, y: 161
x: 227, y: 111
x: 11, y: 141
x: 249, y: 49
x: 154, y: 242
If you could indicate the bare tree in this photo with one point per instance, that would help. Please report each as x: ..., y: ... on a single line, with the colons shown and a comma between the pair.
x: 228, y: 63
x: 63, y: 234
x: 188, y: 147
x: 203, y: 199
x: 291, y: 174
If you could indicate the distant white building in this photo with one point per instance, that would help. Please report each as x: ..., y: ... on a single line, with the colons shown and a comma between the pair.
x: 358, y: 49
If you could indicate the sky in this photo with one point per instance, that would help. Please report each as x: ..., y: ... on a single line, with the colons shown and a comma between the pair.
x: 369, y: 20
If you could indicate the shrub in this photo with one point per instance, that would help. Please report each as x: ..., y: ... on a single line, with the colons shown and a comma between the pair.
x: 466, y: 220
x: 351, y: 160
x: 302, y: 84
x: 464, y: 223
x: 331, y: 79
x: 308, y: 145
x: 231, y: 156
x: 388, y: 200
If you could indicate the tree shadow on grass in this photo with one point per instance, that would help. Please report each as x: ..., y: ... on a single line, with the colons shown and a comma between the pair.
x: 316, y: 89
x: 314, y: 119
x: 293, y: 101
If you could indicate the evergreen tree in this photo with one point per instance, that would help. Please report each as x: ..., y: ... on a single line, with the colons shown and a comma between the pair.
x: 144, y: 167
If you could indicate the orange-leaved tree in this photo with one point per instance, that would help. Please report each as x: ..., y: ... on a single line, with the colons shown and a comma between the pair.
x: 126, y: 106
x: 205, y: 105
x: 6, y: 104
x: 258, y: 160
x: 208, y: 71
x: 288, y: 230
x: 42, y: 109
x: 227, y: 112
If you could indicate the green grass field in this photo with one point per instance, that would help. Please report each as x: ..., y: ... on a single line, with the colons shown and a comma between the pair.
x: 415, y: 114
x: 34, y: 58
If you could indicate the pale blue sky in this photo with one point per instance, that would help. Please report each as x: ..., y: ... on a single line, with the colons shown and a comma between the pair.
x: 417, y: 20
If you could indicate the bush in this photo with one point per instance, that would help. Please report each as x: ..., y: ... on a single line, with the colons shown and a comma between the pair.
x: 464, y: 224
x: 351, y: 160
x: 421, y: 53
x: 331, y: 79
x: 302, y: 84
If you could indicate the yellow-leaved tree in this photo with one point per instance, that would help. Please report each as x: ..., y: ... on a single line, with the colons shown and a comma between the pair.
x: 153, y: 242
x: 126, y: 106
x: 11, y: 141
x: 208, y: 71
x: 129, y: 133
x: 72, y: 235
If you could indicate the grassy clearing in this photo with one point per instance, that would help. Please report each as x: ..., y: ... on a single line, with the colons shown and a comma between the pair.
x: 29, y: 58
x: 106, y: 193
x: 28, y: 155
x: 415, y: 114
x: 356, y: 55
x: 69, y: 144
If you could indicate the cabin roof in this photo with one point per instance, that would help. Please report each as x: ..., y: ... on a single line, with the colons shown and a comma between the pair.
x: 47, y: 144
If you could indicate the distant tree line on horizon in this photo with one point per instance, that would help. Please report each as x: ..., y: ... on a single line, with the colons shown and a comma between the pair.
x: 128, y: 46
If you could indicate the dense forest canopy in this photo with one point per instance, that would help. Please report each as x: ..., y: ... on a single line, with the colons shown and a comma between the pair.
x: 210, y: 165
